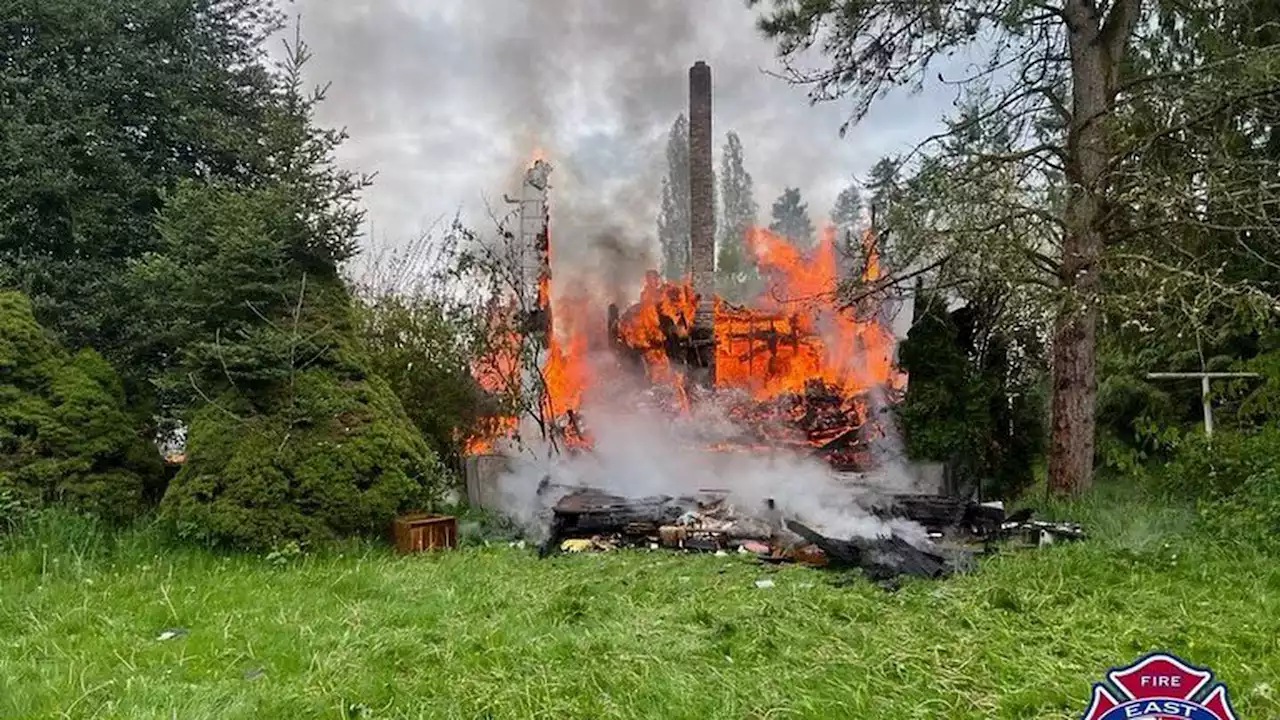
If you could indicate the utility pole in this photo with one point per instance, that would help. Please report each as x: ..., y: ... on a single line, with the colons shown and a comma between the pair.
x: 1204, y: 378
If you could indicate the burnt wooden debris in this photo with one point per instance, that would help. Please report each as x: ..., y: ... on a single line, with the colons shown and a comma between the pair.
x: 939, y: 513
x: 880, y: 558
x: 819, y: 420
x: 587, y: 512
x: 707, y: 523
x: 822, y: 420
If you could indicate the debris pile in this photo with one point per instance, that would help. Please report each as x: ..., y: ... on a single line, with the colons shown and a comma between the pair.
x: 880, y: 559
x: 584, y: 518
x: 821, y: 420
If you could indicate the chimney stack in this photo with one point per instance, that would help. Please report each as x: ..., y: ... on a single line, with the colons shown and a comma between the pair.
x: 702, y: 223
x: 702, y: 219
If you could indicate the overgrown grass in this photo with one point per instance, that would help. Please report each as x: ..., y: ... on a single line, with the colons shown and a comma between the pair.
x: 493, y: 632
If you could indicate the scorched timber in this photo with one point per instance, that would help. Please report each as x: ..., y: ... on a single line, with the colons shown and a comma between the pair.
x: 588, y: 512
x: 879, y: 559
x: 938, y: 513
x: 704, y: 522
x: 592, y: 511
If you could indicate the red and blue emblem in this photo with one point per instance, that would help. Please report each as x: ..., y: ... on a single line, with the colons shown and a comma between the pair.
x: 1160, y: 686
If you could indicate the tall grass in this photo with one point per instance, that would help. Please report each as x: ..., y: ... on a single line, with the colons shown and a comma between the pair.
x: 494, y: 632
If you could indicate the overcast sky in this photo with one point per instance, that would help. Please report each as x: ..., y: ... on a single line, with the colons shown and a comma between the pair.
x: 446, y: 101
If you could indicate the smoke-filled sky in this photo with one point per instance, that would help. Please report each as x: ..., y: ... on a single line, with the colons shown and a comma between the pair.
x: 446, y: 100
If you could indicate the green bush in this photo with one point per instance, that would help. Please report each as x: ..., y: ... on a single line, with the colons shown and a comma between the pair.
x: 1235, y: 479
x: 1251, y: 514
x: 345, y: 464
x: 65, y: 436
x: 1218, y: 467
x: 1137, y: 423
x: 1260, y: 402
x: 984, y: 416
x: 13, y: 511
x: 416, y: 345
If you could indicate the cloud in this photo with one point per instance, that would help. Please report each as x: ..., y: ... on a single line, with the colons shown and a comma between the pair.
x: 446, y: 100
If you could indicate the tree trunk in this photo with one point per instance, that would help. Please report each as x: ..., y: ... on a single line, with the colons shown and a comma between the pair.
x: 1095, y: 55
x: 1074, y: 392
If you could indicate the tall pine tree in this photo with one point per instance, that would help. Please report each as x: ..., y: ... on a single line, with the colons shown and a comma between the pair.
x: 673, y: 219
x: 881, y: 182
x: 846, y: 215
x: 791, y: 218
x: 735, y: 271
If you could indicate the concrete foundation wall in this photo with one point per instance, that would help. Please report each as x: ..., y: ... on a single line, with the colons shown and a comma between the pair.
x: 481, y: 473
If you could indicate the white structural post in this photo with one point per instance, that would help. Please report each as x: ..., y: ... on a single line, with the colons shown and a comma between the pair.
x: 532, y: 220
x: 533, y: 224
x: 1204, y: 378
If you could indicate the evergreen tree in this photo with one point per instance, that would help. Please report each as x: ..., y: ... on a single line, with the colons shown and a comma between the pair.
x: 846, y: 216
x: 735, y: 271
x: 791, y: 218
x: 108, y: 103
x: 673, y: 218
x: 65, y: 437
x: 881, y: 183
x: 290, y: 435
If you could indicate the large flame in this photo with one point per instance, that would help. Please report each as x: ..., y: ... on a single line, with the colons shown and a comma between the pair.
x: 794, y: 333
x: 566, y: 372
x: 797, y: 350
x: 813, y: 335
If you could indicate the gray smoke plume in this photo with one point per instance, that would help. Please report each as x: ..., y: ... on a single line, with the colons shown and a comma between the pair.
x: 446, y: 100
x: 641, y: 453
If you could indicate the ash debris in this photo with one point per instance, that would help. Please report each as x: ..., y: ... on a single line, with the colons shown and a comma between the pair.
x: 584, y: 518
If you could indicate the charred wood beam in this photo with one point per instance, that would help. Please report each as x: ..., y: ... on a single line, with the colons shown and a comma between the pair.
x: 879, y: 559
x: 588, y: 512
x: 611, y: 325
x: 939, y: 512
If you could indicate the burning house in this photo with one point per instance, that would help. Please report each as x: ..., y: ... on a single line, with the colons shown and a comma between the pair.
x: 681, y: 418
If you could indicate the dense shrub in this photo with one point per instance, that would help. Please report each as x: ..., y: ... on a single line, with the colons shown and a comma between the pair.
x: 290, y: 436
x: 1137, y: 423
x: 1218, y: 467
x: 1251, y: 514
x: 417, y: 347
x: 345, y: 465
x: 13, y: 511
x: 971, y: 409
x: 1259, y: 405
x: 1234, y: 478
x: 65, y: 436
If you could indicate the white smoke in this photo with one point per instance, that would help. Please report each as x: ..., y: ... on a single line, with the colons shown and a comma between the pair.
x: 645, y: 452
x: 642, y: 449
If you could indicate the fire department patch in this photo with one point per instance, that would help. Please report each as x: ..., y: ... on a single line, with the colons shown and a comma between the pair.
x: 1159, y: 686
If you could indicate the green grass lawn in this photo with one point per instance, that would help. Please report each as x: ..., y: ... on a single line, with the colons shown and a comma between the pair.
x: 494, y: 632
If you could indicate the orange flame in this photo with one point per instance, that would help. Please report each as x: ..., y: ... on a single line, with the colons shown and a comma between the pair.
x: 796, y: 335
x: 566, y: 371
x: 807, y: 330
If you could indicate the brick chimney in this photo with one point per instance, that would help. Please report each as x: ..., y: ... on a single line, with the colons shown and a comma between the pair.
x: 702, y: 218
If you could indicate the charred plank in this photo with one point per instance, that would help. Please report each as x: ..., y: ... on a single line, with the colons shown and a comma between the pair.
x: 587, y: 512
x: 879, y: 559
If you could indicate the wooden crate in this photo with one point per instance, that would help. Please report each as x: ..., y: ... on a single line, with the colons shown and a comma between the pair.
x: 416, y: 532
